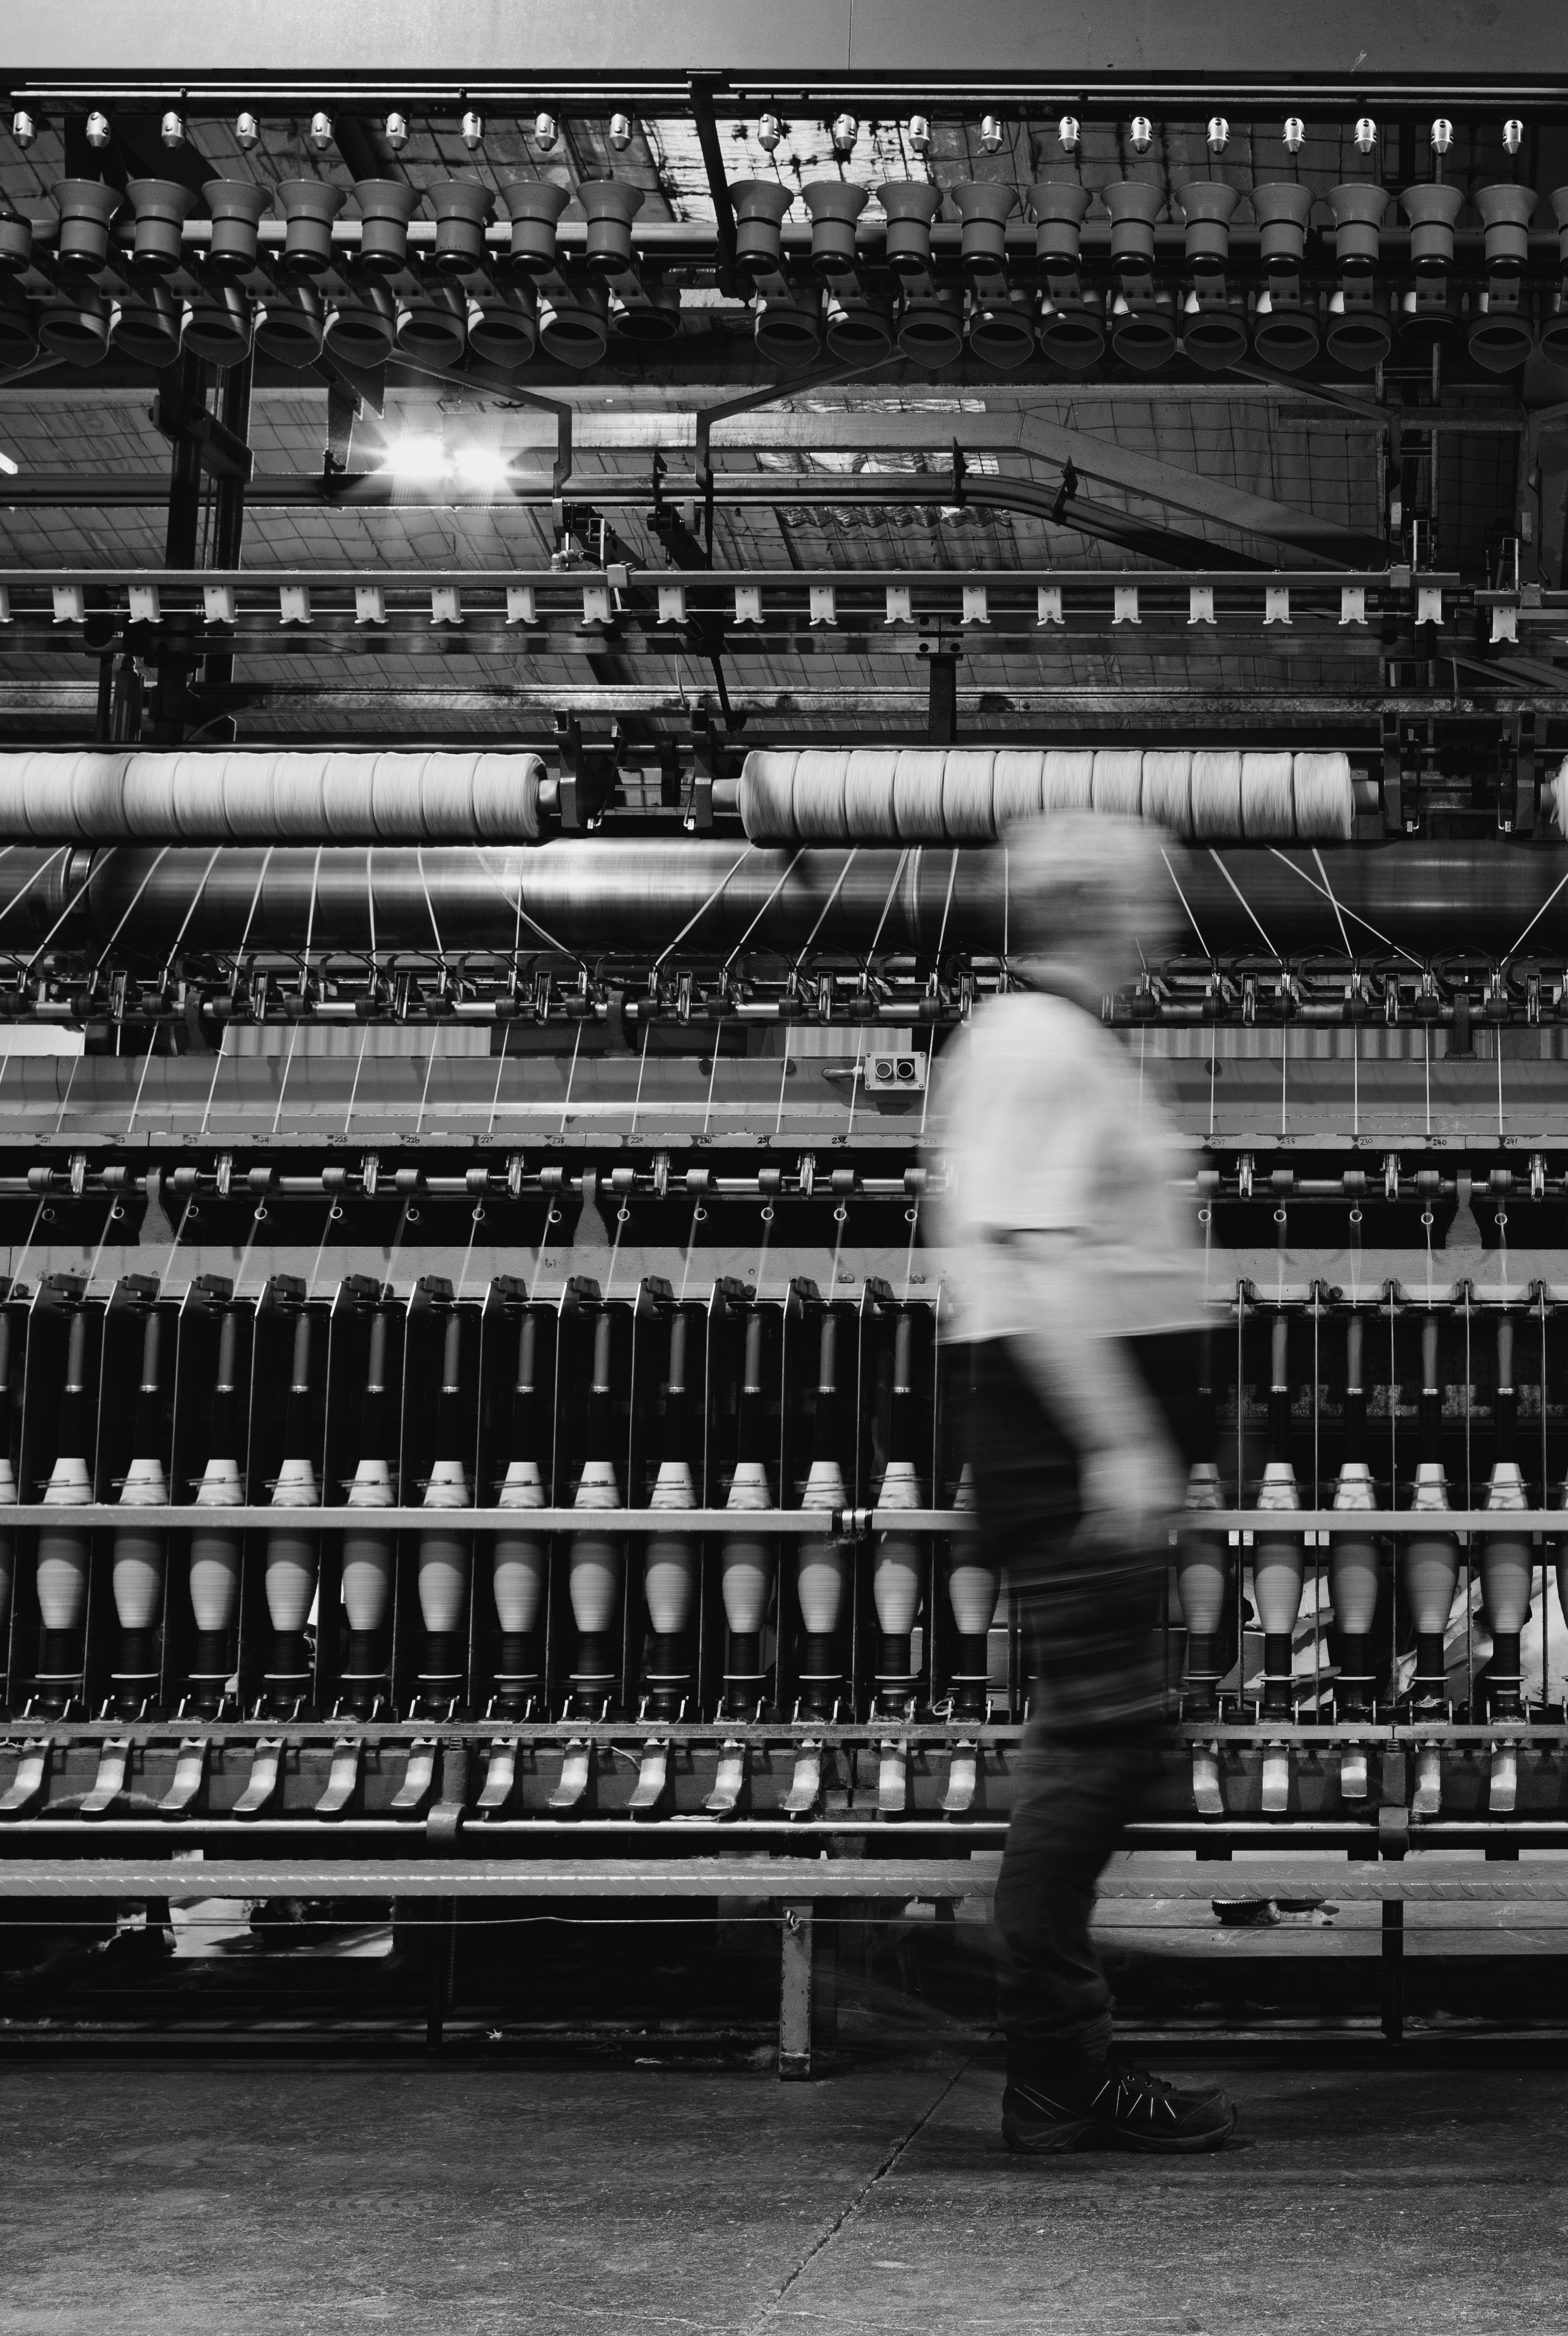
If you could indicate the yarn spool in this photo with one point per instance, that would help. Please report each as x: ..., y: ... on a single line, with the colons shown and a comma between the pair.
x: 966, y: 812
x: 1117, y: 788
x: 1216, y: 796
x: 1017, y: 777
x: 870, y: 788
x: 819, y: 794
x: 1268, y: 803
x: 1168, y: 791
x: 918, y: 795
x: 1067, y: 781
x: 1324, y: 798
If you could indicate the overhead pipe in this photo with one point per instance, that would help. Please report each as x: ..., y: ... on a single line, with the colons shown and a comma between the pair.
x: 594, y: 895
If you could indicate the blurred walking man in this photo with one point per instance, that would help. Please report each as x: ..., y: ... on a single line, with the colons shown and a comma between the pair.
x: 1079, y: 1290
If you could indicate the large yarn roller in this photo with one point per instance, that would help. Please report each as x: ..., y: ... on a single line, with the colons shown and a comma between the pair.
x: 320, y: 797
x: 965, y: 795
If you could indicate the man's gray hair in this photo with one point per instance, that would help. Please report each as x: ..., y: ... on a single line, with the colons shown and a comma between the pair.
x: 1076, y: 874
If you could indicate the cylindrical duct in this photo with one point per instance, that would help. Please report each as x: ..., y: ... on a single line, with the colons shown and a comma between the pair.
x: 86, y: 207
x: 385, y: 208
x: 309, y: 208
x: 1283, y: 213
x: 162, y: 206
x: 1134, y: 207
x: 533, y: 206
x: 1505, y: 216
x: 1358, y: 209
x: 463, y: 208
x: 610, y: 206
x: 236, y: 206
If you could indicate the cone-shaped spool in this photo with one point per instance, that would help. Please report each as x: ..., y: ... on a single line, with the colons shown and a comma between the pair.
x: 362, y: 327
x: 1283, y: 213
x: 1133, y: 206
x: 574, y: 325
x: 610, y: 206
x: 985, y: 209
x: 218, y: 325
x: 1505, y: 216
x: 504, y: 324
x: 15, y: 244
x: 289, y: 323
x: 1432, y: 212
x: 309, y: 208
x: 1059, y: 206
x: 910, y: 206
x: 760, y: 206
x: 385, y: 208
x: 163, y: 207
x: 237, y: 206
x: 1207, y: 208
x: 533, y: 206
x: 1358, y: 209
x: 834, y: 204
x: 86, y: 207
x: 463, y: 208
x: 147, y: 325
x: 931, y: 328
x: 789, y: 326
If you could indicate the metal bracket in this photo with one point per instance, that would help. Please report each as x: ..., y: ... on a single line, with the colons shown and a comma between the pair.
x: 418, y: 1777
x: 963, y: 1780
x: 893, y: 1779
x: 1276, y: 1779
x: 806, y: 1787
x: 499, y: 1776
x: 1429, y: 1794
x: 266, y: 1769
x: 1502, y: 1779
x: 729, y: 1782
x: 114, y: 1765
x: 575, y: 1771
x: 339, y: 1788
x: 652, y: 1779
x: 1207, y: 1798
x: 1353, y: 1773
x: 189, y: 1768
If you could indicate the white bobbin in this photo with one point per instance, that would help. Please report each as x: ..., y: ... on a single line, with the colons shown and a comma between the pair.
x: 868, y: 816
x: 1017, y: 782
x: 767, y: 793
x: 1216, y: 796
x: 1067, y: 781
x: 1118, y: 781
x: 967, y: 815
x: 1168, y: 790
x: 1268, y: 803
x: 1325, y: 798
x: 818, y: 805
x: 918, y: 794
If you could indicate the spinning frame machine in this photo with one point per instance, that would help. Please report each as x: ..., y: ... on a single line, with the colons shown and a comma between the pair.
x: 472, y: 1363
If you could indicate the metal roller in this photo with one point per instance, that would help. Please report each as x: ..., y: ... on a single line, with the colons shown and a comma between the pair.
x: 590, y: 896
x: 273, y: 797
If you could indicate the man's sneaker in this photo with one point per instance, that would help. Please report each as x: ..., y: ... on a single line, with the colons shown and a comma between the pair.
x: 1116, y: 2107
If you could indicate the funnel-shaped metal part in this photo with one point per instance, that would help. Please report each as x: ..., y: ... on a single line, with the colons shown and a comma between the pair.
x: 309, y: 208
x: 1505, y: 215
x: 1072, y: 334
x: 859, y: 332
x: 834, y: 204
x: 237, y: 206
x: 1357, y: 333
x: 77, y: 330
x: 574, y: 324
x: 910, y: 206
x: 385, y: 208
x: 1285, y: 334
x: 931, y: 328
x: 533, y: 206
x: 1002, y: 330
x: 1135, y: 206
x: 463, y: 208
x: 1213, y: 333
x: 609, y: 207
x: 984, y: 209
x: 1500, y: 338
x: 218, y: 325
x: 1432, y: 212
x: 789, y: 326
x: 1143, y: 334
x: 761, y: 207
x: 15, y: 244
x: 1059, y: 206
x: 363, y: 324
x: 1207, y: 208
x: 504, y: 324
x: 161, y: 206
x: 432, y: 327
x: 147, y: 325
x: 1358, y: 210
x: 1282, y: 212
x: 86, y: 207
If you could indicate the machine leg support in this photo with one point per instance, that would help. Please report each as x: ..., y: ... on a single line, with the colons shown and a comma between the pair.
x: 1393, y: 1970
x: 808, y: 1987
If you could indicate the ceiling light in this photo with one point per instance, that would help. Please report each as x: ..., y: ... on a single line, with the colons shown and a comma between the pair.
x: 321, y: 131
x: 1295, y: 134
x: 919, y: 134
x: 471, y: 129
x: 1513, y: 134
x: 171, y: 128
x: 417, y: 457
x: 98, y: 132
x: 246, y: 131
x: 1366, y: 134
x: 1142, y: 135
x: 769, y: 130
x: 992, y: 134
x: 1068, y: 134
x: 621, y: 131
x: 24, y: 129
x: 395, y: 131
x: 1219, y: 133
x: 1442, y: 134
x: 481, y: 466
x: 546, y: 131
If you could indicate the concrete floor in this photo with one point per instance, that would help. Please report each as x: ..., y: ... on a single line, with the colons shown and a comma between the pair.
x: 284, y: 2199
